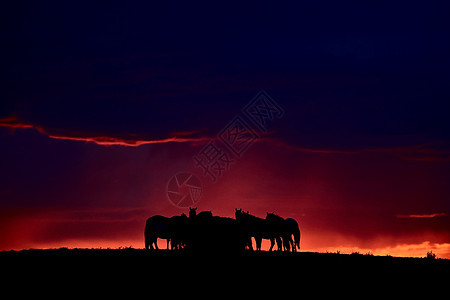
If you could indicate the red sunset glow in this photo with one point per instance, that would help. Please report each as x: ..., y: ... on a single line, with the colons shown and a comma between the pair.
x: 320, y: 188
x: 334, y: 114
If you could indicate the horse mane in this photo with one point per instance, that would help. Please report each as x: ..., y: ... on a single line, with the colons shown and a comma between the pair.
x: 274, y: 217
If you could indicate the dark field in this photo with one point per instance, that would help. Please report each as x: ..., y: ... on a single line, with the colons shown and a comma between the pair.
x: 155, y: 255
x: 254, y: 273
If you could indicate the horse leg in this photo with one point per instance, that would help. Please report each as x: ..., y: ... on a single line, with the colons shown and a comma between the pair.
x: 272, y: 243
x: 286, y: 243
x: 297, y: 238
x: 151, y: 243
x: 293, y: 244
x: 279, y: 244
x: 173, y: 244
x: 258, y: 243
x: 147, y: 238
x: 249, y: 243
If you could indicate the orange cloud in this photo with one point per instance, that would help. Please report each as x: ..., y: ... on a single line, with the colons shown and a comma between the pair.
x: 176, y: 137
x: 422, y: 215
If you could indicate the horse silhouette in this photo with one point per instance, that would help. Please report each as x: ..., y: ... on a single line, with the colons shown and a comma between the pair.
x: 215, y: 233
x: 259, y: 229
x: 293, y: 230
x: 204, y: 232
x: 286, y: 228
x: 203, y: 215
x: 171, y: 229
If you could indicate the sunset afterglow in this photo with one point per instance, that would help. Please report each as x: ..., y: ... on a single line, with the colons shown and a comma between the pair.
x: 335, y: 115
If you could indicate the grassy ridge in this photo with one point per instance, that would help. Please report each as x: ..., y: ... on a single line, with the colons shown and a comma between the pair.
x: 300, y: 257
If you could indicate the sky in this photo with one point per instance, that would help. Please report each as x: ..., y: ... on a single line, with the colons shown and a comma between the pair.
x: 102, y: 104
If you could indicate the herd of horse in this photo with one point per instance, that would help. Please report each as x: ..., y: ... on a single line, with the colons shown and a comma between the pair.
x: 203, y: 231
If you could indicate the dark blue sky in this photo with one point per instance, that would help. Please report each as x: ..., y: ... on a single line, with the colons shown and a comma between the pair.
x: 343, y: 69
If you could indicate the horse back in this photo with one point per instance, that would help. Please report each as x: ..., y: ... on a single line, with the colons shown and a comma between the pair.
x: 291, y: 222
x: 157, y: 219
x: 158, y: 224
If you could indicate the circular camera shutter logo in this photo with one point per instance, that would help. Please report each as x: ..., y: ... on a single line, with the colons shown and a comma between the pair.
x: 184, y: 189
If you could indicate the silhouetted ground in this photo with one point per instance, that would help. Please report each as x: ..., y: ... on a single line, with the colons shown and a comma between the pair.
x: 255, y: 274
x: 310, y: 258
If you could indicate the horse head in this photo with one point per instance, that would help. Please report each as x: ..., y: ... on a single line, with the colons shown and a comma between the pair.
x: 238, y: 213
x: 273, y: 217
x: 192, y: 212
x: 183, y: 217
